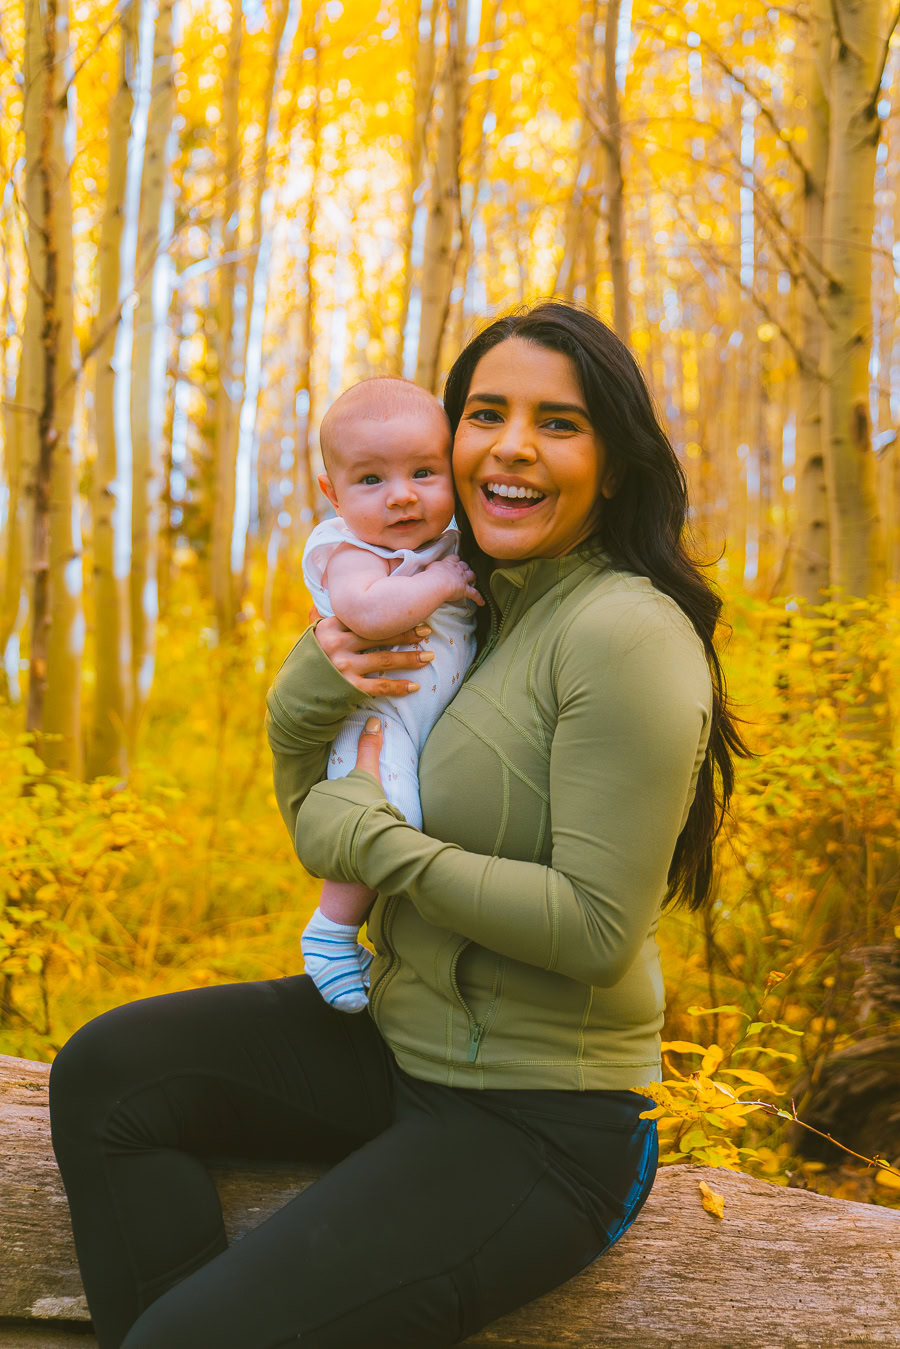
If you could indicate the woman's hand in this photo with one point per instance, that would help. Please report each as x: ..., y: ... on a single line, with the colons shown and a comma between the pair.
x: 355, y: 659
x: 369, y: 752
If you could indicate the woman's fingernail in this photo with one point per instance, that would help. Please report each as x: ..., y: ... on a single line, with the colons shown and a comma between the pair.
x: 372, y: 725
x: 411, y: 688
x: 423, y: 630
x: 425, y: 656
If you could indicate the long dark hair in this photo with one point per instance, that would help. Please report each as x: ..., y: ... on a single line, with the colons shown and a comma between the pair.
x: 641, y: 529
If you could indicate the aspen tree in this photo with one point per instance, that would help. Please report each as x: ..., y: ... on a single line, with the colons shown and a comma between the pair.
x: 22, y: 419
x: 12, y: 597
x: 228, y: 384
x: 473, y: 178
x: 808, y: 549
x: 303, y: 391
x: 423, y: 95
x: 443, y: 209
x: 615, y: 188
x: 577, y: 221
x: 858, y: 52
x: 148, y: 364
x: 57, y: 636
x: 107, y: 752
x: 248, y: 342
x: 598, y: 168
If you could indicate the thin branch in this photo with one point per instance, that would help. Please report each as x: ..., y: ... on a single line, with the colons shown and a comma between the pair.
x: 742, y: 82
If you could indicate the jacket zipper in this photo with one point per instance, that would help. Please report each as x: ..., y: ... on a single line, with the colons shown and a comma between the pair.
x: 476, y: 1031
x: 498, y: 618
x: 389, y: 972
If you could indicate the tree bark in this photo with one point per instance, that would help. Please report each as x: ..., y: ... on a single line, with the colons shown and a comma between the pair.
x: 857, y: 560
x: 816, y: 1268
x: 108, y: 751
x: 423, y: 97
x: 809, y: 549
x: 443, y: 213
x: 615, y: 187
x: 148, y: 365
x: 255, y: 284
x: 303, y: 392
x: 57, y: 638
x: 227, y: 394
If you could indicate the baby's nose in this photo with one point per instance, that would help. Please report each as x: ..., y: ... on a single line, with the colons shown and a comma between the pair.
x: 401, y: 492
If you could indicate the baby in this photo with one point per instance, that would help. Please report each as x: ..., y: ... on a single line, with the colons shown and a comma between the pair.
x: 388, y: 563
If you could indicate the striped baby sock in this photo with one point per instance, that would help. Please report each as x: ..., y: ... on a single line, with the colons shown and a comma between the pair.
x: 336, y: 963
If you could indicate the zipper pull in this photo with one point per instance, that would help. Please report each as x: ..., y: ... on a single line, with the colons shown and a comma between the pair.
x: 474, y: 1043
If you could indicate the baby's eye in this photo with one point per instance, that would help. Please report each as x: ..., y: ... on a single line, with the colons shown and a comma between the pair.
x: 371, y: 479
x: 422, y: 473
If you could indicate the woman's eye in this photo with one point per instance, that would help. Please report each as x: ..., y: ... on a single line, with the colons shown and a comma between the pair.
x: 484, y: 412
x: 371, y: 479
x: 561, y: 424
x: 422, y: 473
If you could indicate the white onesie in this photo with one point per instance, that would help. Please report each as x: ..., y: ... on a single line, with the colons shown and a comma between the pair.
x: 408, y: 720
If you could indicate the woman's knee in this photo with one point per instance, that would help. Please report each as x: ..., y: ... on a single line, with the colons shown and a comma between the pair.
x: 91, y: 1069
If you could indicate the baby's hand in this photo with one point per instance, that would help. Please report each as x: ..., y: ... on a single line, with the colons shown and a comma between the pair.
x: 460, y: 579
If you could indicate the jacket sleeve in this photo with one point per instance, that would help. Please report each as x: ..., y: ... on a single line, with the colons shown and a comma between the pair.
x: 634, y: 696
x: 304, y: 709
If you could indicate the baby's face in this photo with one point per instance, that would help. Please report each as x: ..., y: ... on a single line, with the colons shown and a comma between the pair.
x: 392, y: 482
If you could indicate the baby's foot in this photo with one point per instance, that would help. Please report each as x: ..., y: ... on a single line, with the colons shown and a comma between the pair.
x: 332, y: 959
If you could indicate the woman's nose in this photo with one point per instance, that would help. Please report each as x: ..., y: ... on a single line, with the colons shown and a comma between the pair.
x: 514, y: 446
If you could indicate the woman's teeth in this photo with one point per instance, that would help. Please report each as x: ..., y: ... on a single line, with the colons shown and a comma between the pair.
x: 501, y: 489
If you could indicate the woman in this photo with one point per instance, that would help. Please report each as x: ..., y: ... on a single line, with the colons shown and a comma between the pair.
x: 488, y: 1144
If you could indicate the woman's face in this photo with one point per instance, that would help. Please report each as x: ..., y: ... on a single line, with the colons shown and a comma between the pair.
x: 528, y: 465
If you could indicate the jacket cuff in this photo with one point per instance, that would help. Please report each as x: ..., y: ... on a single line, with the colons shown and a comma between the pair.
x: 332, y: 819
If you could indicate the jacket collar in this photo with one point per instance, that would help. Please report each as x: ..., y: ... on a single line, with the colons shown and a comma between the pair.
x: 535, y: 577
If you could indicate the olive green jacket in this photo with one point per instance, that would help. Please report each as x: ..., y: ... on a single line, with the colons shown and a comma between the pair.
x: 515, y: 937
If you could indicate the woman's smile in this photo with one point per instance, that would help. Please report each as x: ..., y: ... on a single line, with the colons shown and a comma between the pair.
x: 528, y: 465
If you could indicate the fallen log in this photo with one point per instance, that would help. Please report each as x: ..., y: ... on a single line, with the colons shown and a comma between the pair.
x: 783, y: 1268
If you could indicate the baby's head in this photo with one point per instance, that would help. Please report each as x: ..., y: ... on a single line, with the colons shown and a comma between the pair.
x: 386, y: 450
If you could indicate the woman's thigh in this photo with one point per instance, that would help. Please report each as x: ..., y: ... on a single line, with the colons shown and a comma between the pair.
x: 141, y: 1096
x: 449, y: 1218
x: 261, y: 1069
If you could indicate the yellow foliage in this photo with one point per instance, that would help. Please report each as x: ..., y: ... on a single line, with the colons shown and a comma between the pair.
x: 712, y: 1201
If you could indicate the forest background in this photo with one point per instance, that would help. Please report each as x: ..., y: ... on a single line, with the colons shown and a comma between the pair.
x: 217, y: 216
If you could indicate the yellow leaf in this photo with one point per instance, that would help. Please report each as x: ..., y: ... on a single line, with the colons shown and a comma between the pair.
x: 712, y: 1058
x: 753, y: 1078
x: 683, y: 1047
x: 889, y: 1179
x: 712, y: 1201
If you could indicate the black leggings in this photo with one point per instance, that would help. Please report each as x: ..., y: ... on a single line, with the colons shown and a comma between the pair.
x: 448, y: 1206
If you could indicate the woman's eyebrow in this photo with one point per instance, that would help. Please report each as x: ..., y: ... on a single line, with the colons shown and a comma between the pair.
x: 499, y: 399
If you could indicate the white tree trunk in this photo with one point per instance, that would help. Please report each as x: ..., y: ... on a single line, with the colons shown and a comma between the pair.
x: 148, y: 363
x: 57, y: 639
x: 443, y: 213
x: 857, y: 560
x: 808, y: 560
x: 108, y: 751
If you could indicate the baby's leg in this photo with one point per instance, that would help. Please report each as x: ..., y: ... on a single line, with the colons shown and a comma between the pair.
x: 332, y: 956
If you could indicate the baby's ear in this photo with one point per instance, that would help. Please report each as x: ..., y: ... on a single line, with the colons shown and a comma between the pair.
x: 327, y: 490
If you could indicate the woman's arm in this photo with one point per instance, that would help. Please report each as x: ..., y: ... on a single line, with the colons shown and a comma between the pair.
x: 312, y: 694
x: 634, y: 703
